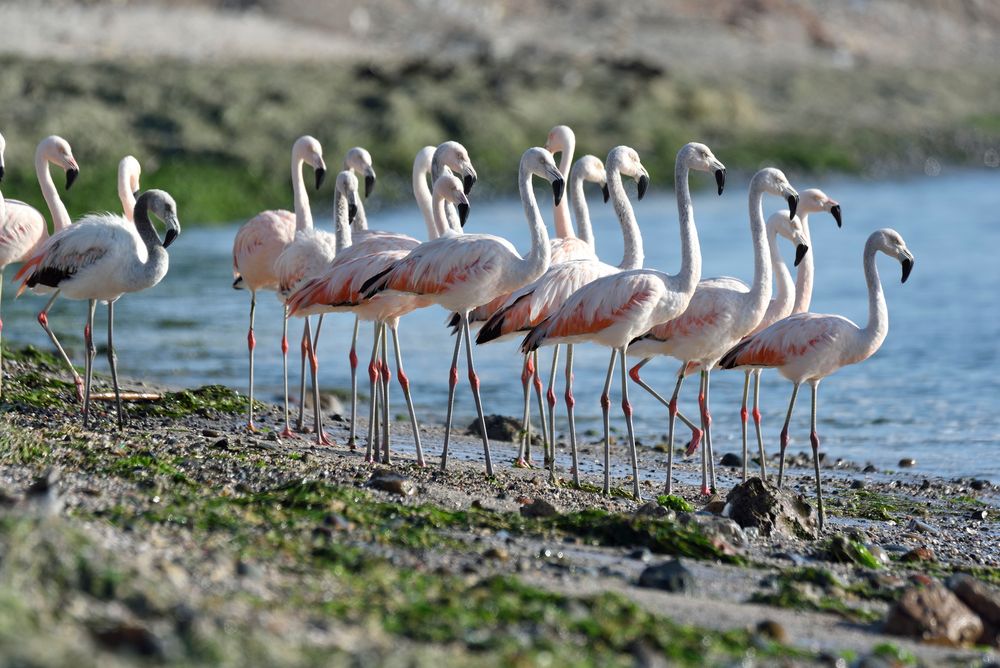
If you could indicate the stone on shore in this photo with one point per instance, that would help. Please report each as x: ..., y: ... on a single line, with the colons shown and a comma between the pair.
x: 755, y: 503
x: 933, y: 614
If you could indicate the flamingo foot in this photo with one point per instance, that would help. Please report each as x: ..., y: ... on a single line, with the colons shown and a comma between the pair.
x: 322, y: 438
x: 352, y: 444
x: 523, y: 463
x: 288, y: 433
x: 705, y: 491
x: 692, y: 446
x: 252, y: 428
x: 79, y: 388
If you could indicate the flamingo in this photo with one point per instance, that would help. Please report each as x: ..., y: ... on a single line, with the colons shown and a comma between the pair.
x: 808, y: 347
x: 453, y: 158
x: 262, y: 239
x: 613, y: 310
x: 796, y: 230
x: 530, y: 305
x: 98, y: 259
x: 567, y: 245
x: 461, y: 272
x: 721, y: 312
x: 23, y: 228
x: 339, y: 289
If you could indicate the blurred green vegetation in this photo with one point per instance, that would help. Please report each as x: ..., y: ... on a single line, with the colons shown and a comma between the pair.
x: 217, y: 136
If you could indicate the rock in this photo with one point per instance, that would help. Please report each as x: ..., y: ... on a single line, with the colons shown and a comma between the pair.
x: 876, y: 551
x: 919, y: 554
x: 651, y: 509
x: 128, y: 637
x: 921, y: 526
x: 907, y: 462
x: 394, y: 483
x: 755, y: 503
x: 722, y: 532
x: 502, y: 428
x: 670, y: 576
x: 337, y: 522
x: 857, y: 483
x: 539, y: 507
x: 731, y: 459
x: 210, y: 433
x: 844, y: 550
x: 222, y: 443
x: 498, y: 553
x: 979, y: 514
x: 979, y: 485
x: 641, y: 554
x: 773, y: 630
x: 983, y: 599
x: 715, y: 505
x: 328, y: 402
x: 925, y: 484
x: 869, y: 468
x: 933, y: 614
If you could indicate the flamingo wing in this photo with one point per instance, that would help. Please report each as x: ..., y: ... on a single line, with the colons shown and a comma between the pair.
x: 79, y: 246
x: 788, y: 339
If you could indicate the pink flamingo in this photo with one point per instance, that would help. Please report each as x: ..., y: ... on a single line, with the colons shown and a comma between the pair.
x: 530, y: 305
x: 613, y: 310
x: 452, y: 158
x: 808, y: 347
x: 98, y: 259
x: 339, y: 290
x: 23, y: 228
x: 721, y: 312
x: 262, y: 239
x: 461, y: 272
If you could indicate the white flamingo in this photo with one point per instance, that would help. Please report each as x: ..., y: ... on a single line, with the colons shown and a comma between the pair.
x: 808, y: 347
x: 613, y: 310
x: 461, y: 272
x: 721, y: 312
x: 98, y: 259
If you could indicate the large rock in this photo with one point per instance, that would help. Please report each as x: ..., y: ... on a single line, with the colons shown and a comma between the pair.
x: 933, y: 614
x: 725, y: 534
x: 538, y: 508
x: 669, y: 576
x: 755, y: 503
x: 984, y: 600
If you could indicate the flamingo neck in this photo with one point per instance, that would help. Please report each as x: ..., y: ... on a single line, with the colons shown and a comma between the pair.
x: 126, y: 196
x: 422, y: 193
x: 563, y: 225
x: 878, y: 315
x: 148, y: 273
x: 303, y: 214
x: 804, y: 275
x: 633, y: 256
x: 540, y: 255
x: 782, y: 276
x: 760, y: 288
x: 580, y: 210
x: 437, y: 169
x: 441, y: 225
x: 60, y: 216
x: 342, y: 227
x: 690, y: 272
x: 360, y: 222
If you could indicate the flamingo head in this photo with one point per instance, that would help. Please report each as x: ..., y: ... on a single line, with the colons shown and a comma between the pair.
x: 455, y: 157
x: 625, y: 160
x: 793, y: 230
x: 309, y: 150
x: 163, y: 206
x: 561, y: 138
x: 360, y: 160
x: 57, y: 150
x: 890, y: 242
x: 773, y: 181
x: 814, y: 200
x: 590, y: 168
x: 539, y: 162
x: 129, y: 171
x: 347, y: 189
x: 698, y: 156
x: 450, y: 189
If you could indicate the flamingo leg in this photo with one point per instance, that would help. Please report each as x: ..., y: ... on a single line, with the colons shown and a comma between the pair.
x: 537, y: 382
x: 321, y: 437
x: 305, y: 346
x: 570, y: 404
x: 373, y: 386
x: 627, y: 409
x: 43, y: 320
x: 88, y: 337
x: 550, y: 398
x: 606, y: 412
x: 814, y: 441
x: 1, y: 336
x: 474, y: 382
x: 704, y: 452
x: 784, y: 435
x: 524, y: 448
x: 385, y: 378
x: 756, y: 424
x: 695, y: 431
x: 404, y: 383
x: 287, y: 431
x: 708, y: 432
x: 353, y: 357
x: 743, y: 419
x: 672, y: 412
x: 452, y: 383
x: 113, y: 363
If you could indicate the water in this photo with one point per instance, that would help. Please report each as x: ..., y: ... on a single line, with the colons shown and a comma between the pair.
x: 930, y: 393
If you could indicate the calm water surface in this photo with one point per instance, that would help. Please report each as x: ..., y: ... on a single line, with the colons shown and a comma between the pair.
x: 932, y: 392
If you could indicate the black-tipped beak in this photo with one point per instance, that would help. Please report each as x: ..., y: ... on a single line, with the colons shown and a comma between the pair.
x: 1, y: 172
x: 369, y: 185
x: 643, y: 185
x: 71, y: 175
x: 907, y: 268
x: 463, y: 212
x: 135, y: 194
x: 800, y: 252
x: 558, y: 186
x: 352, y: 212
x: 720, y: 179
x: 793, y: 204
x: 835, y: 211
x: 605, y: 193
x: 320, y: 175
x: 171, y: 235
x: 467, y: 182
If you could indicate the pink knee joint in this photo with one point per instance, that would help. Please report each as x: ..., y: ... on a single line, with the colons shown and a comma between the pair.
x: 453, y: 377
x: 627, y: 408
x: 354, y: 359
x: 373, y: 372
x: 634, y: 373
x: 672, y: 407
x: 404, y: 382
x: 756, y: 415
x: 570, y: 401
x: 43, y: 319
x: 551, y: 397
x: 284, y: 345
x: 605, y: 402
x: 743, y: 415
x: 814, y: 440
x: 784, y: 438
x: 474, y: 381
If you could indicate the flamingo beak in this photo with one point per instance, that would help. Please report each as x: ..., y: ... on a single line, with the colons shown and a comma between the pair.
x: 793, y: 204
x: 605, y: 193
x: 468, y: 181
x: 800, y: 252
x: 135, y: 193
x: 720, y: 179
x: 169, y: 239
x: 835, y: 211
x: 369, y: 185
x: 463, y: 212
x: 352, y: 211
x: 643, y: 185
x: 71, y: 175
x: 1, y: 172
x: 558, y: 186
x: 320, y: 175
x: 907, y: 268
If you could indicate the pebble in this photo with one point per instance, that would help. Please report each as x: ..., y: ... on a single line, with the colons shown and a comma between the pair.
x: 921, y: 527
x: 642, y: 554
x: 210, y: 433
x: 869, y: 468
x: 979, y: 485
x: 907, y: 462
x: 857, y: 484
x: 672, y: 576
x: 979, y: 514
x: 539, y: 507
x: 731, y: 459
x: 773, y: 630
x: 498, y: 553
x: 934, y: 614
x: 919, y: 554
x: 925, y: 484
x: 391, y: 482
x: 878, y: 552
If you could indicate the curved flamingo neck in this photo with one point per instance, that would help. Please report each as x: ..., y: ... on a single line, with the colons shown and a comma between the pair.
x: 342, y: 228
x: 303, y: 214
x: 804, y: 274
x: 563, y: 225
x: 125, y: 195
x: 148, y: 273
x: 633, y: 256
x: 878, y: 315
x: 440, y: 208
x: 437, y: 169
x: 539, y: 257
x: 690, y: 272
x: 422, y: 193
x: 581, y: 212
x: 60, y: 216
x: 360, y: 222
x: 760, y: 289
x: 782, y: 276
